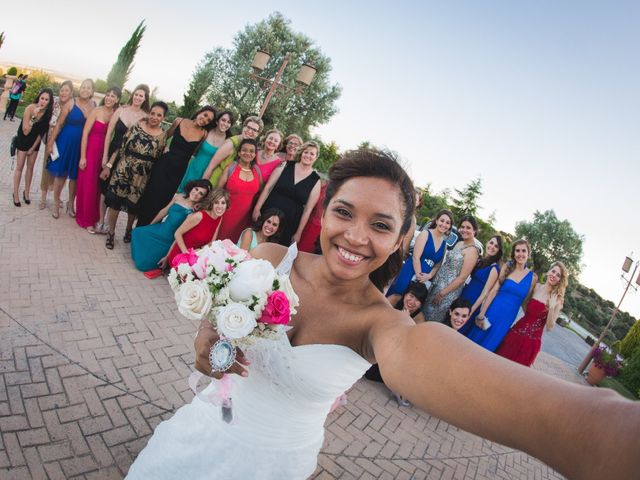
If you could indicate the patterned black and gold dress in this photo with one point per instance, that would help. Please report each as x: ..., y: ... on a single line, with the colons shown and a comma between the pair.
x: 137, y: 154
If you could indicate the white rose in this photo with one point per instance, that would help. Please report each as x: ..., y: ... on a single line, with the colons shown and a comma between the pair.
x: 235, y: 321
x: 194, y: 299
x: 292, y: 296
x: 253, y: 277
x: 173, y: 280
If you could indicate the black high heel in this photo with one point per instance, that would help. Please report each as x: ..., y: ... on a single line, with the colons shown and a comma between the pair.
x: 110, y: 241
x: 24, y: 197
x: 17, y: 204
x: 127, y: 236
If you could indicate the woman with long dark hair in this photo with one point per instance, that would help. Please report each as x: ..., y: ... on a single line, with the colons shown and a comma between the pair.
x: 266, y: 229
x: 186, y: 134
x: 32, y: 128
x: 284, y: 388
x: 91, y: 153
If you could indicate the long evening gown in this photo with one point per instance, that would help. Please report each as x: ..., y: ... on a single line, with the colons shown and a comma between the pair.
x: 165, y: 177
x: 429, y: 258
x: 68, y: 143
x: 119, y: 130
x: 198, y: 236
x: 152, y: 242
x: 198, y: 164
x: 290, y: 197
x: 279, y: 412
x: 502, y: 312
x: 241, y: 196
x: 88, y: 192
x: 313, y: 227
x: 524, y: 340
x: 217, y: 172
x: 449, y: 270
x: 473, y: 289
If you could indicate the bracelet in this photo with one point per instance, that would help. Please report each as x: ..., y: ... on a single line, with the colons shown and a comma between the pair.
x: 480, y: 317
x: 109, y: 165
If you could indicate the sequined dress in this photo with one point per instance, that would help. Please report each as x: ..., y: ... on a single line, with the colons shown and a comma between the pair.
x: 524, y: 340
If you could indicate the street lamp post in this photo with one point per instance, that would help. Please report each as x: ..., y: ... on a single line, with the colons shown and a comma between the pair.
x: 628, y: 262
x: 260, y: 60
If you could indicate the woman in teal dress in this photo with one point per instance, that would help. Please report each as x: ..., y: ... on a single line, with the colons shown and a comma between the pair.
x: 151, y: 242
x: 266, y: 229
x: 428, y: 253
x: 208, y: 148
x: 500, y: 308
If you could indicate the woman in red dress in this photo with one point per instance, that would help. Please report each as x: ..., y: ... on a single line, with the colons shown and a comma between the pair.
x: 311, y: 232
x: 243, y: 180
x: 523, y: 341
x: 199, y: 228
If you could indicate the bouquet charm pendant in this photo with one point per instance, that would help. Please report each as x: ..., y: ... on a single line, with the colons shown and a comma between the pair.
x: 222, y: 355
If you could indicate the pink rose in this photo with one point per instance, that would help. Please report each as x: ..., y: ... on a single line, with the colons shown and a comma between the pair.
x: 231, y: 248
x: 189, y: 258
x: 276, y: 311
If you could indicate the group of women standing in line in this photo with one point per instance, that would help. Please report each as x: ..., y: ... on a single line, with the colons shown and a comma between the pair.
x: 494, y: 293
x: 119, y: 158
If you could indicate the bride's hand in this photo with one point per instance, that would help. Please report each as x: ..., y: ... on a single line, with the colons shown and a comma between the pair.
x: 205, y: 339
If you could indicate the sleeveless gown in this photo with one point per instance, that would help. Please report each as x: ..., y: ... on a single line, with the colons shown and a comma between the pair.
x: 254, y: 239
x: 68, y: 143
x: 313, y: 227
x: 524, y: 340
x: 290, y: 197
x: 473, y: 289
x: 429, y: 258
x: 217, y: 172
x: 198, y: 164
x: 152, y: 242
x: 25, y: 142
x: 88, y: 193
x: 502, y: 312
x: 449, y: 270
x: 241, y: 196
x: 165, y: 177
x: 279, y: 412
x: 119, y: 131
x: 267, y: 168
x: 198, y: 236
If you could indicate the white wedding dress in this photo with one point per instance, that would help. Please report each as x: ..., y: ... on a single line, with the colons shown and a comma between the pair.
x: 279, y: 412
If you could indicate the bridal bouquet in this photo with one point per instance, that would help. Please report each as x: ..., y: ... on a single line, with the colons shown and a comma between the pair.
x: 243, y: 298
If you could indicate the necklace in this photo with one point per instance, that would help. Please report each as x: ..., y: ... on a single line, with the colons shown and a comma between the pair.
x: 245, y: 169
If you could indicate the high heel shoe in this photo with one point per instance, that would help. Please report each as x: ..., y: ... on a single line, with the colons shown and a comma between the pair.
x: 110, y: 242
x: 55, y: 210
x: 127, y: 237
x: 70, y: 211
x: 24, y: 197
x: 17, y: 204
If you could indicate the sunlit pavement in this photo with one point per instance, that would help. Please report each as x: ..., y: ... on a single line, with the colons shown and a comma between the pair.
x: 93, y: 356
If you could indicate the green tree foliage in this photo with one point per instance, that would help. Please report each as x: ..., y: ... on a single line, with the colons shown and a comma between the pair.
x: 465, y: 201
x: 552, y: 239
x: 202, y: 78
x: 124, y: 64
x: 432, y: 202
x: 12, y: 71
x: 231, y: 86
x: 631, y: 342
x: 327, y: 155
x: 101, y: 86
x: 630, y: 373
x: 36, y: 82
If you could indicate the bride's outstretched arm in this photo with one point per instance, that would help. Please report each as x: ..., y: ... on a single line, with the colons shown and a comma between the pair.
x: 581, y: 431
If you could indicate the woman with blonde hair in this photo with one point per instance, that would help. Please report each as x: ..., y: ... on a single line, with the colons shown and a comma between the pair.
x: 268, y: 158
x: 524, y: 340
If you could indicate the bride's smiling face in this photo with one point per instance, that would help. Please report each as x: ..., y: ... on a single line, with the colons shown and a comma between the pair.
x: 361, y: 226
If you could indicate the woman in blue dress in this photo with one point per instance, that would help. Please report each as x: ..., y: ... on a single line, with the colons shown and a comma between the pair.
x: 428, y: 252
x: 151, y: 243
x: 484, y: 276
x: 67, y: 137
x: 501, y: 306
x: 208, y: 148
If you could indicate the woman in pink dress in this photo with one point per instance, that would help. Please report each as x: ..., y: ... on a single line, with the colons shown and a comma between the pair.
x: 524, y: 340
x: 243, y: 180
x: 268, y: 158
x: 91, y: 150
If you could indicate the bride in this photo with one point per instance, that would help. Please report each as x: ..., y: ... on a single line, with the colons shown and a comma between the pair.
x: 283, y: 390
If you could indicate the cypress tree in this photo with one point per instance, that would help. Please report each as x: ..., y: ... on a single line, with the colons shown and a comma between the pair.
x: 124, y: 64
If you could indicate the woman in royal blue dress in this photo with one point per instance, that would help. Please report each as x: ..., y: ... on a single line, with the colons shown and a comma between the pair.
x: 150, y: 243
x: 67, y: 137
x: 501, y: 306
x: 484, y: 276
x: 428, y: 253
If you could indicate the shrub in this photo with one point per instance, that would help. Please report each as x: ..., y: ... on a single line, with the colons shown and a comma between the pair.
x: 630, y: 373
x: 12, y: 71
x: 631, y: 341
x: 36, y: 82
x: 100, y: 85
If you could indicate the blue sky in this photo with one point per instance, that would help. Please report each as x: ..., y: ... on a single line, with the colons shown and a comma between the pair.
x: 540, y: 99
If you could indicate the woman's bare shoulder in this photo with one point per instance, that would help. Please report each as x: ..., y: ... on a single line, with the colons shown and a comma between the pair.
x: 272, y: 252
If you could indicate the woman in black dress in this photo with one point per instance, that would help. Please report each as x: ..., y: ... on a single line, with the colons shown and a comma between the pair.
x: 187, y: 134
x: 293, y: 188
x: 34, y: 124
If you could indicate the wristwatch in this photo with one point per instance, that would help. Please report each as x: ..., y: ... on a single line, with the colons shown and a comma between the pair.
x: 109, y: 165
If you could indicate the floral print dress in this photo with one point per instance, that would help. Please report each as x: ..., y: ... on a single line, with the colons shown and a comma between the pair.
x: 137, y: 154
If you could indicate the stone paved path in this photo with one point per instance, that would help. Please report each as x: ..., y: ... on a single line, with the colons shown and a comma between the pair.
x: 93, y: 356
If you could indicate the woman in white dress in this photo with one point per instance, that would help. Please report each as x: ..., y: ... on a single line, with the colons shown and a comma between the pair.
x: 283, y: 390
